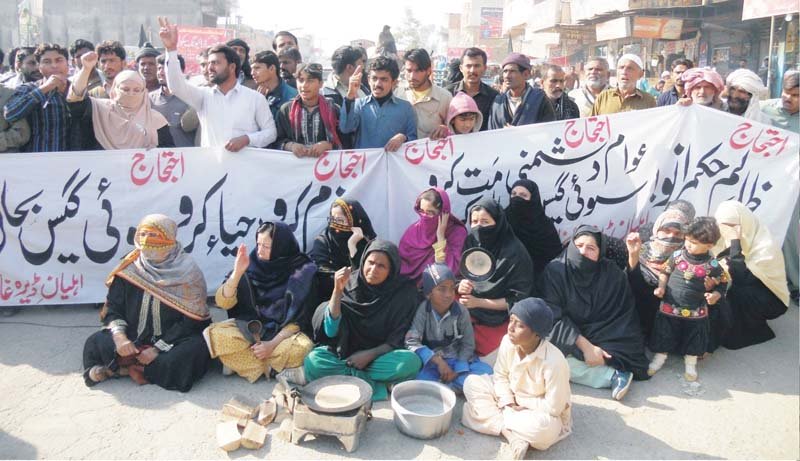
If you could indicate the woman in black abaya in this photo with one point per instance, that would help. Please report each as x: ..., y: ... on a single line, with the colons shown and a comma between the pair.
x: 531, y: 225
x: 596, y: 325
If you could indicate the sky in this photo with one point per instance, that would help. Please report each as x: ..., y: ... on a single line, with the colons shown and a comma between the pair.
x: 336, y: 22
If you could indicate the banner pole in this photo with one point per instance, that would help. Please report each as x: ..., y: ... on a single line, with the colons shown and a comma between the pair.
x: 769, y: 55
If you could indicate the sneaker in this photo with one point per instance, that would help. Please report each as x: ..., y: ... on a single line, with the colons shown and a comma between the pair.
x: 294, y: 375
x: 620, y: 383
x: 226, y: 371
x: 656, y: 363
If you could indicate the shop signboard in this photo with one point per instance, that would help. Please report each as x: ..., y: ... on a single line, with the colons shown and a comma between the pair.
x: 663, y: 28
x: 753, y: 9
x: 637, y: 4
x: 610, y: 30
x: 491, y: 22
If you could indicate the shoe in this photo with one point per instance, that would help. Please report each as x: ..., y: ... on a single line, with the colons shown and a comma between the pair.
x: 226, y: 371
x: 620, y: 383
x: 656, y: 363
x: 295, y: 375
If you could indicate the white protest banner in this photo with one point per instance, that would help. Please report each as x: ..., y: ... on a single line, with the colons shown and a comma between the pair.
x: 616, y: 172
x: 67, y: 218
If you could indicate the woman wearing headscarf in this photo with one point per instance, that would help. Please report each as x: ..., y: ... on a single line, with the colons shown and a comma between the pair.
x: 125, y: 121
x: 596, y: 325
x: 757, y: 291
x: 364, y: 324
x: 342, y: 243
x: 646, y: 260
x: 531, y: 225
x: 269, y: 299
x: 489, y: 301
x: 437, y: 236
x: 307, y: 125
x: 154, y: 314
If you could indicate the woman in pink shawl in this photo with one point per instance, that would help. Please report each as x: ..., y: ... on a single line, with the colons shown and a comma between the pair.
x: 436, y: 237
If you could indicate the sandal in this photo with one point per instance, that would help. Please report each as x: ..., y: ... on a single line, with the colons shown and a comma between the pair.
x: 96, y: 374
x: 136, y: 373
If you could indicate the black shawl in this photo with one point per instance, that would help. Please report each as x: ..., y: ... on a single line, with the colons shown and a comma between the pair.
x: 513, y: 276
x: 532, y: 227
x: 593, y: 299
x: 330, y: 252
x: 373, y: 315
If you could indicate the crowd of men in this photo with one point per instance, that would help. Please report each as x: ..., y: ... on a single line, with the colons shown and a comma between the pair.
x: 236, y: 100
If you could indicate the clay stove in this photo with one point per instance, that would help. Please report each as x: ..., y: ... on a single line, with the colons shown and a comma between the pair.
x: 347, y: 426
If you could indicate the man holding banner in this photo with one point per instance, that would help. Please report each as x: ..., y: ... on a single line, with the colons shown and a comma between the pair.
x: 231, y: 115
x: 520, y: 104
x: 380, y: 119
x: 625, y: 96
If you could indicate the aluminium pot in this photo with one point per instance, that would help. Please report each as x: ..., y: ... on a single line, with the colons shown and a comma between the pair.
x: 423, y: 409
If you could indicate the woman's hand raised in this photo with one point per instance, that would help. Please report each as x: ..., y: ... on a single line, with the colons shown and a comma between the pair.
x: 241, y: 262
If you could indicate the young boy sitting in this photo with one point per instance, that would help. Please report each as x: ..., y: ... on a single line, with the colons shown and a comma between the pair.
x: 441, y: 333
x: 527, y: 400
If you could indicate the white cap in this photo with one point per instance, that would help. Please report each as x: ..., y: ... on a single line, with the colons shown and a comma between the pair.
x: 632, y: 58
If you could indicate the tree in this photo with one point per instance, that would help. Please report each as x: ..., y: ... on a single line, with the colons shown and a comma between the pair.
x: 413, y: 34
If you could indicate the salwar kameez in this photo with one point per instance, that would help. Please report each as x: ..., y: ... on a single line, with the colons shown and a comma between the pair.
x: 539, y: 383
x: 185, y: 359
x: 390, y: 368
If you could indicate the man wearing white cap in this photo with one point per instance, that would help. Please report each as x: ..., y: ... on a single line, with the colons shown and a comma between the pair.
x: 625, y: 97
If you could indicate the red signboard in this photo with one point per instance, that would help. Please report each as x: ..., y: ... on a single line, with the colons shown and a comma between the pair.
x: 491, y: 22
x: 193, y: 40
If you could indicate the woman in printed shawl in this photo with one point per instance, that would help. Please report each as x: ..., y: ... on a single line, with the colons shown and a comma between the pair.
x: 364, y: 324
x: 437, y: 236
x: 490, y: 300
x: 154, y: 314
x: 645, y: 261
x: 268, y: 296
x: 757, y: 291
x: 341, y: 244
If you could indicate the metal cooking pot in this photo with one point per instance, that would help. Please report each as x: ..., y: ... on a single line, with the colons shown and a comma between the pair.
x: 423, y: 409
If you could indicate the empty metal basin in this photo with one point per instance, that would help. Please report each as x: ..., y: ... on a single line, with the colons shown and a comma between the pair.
x: 423, y: 409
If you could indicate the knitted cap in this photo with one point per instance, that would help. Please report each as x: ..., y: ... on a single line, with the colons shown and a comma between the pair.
x: 536, y: 314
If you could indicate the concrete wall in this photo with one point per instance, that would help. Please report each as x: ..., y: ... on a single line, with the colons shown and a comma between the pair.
x: 64, y: 21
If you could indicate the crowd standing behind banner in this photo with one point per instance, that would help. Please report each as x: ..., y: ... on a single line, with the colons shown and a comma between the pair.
x: 387, y: 313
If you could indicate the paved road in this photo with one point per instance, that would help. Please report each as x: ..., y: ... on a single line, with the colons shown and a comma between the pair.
x: 745, y: 405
